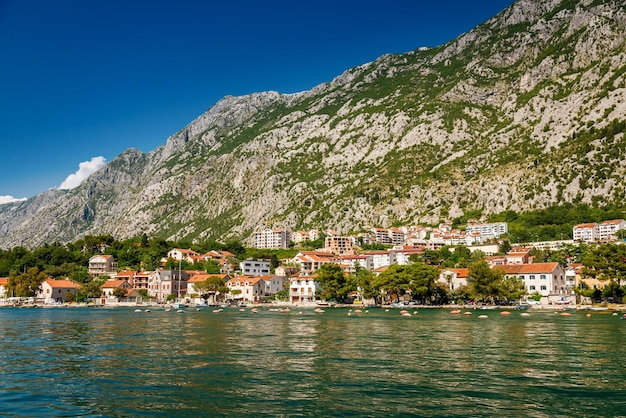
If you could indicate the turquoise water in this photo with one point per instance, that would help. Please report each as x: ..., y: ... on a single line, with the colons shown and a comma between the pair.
x: 118, y: 363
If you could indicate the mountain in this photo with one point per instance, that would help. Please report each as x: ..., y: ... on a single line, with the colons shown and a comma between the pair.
x: 524, y: 111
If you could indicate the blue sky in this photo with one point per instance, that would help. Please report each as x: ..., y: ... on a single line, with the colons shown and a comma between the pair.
x: 82, y: 79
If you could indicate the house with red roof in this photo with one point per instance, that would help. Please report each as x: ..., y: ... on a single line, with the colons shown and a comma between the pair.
x: 311, y: 261
x: 543, y: 278
x: 454, y: 279
x: 3, y: 286
x: 194, y: 295
x: 110, y: 285
x: 52, y: 290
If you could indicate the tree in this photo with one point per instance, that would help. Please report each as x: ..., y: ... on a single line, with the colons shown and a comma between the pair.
x: 208, y: 287
x: 92, y: 289
x: 422, y: 279
x: 484, y: 282
x: 606, y: 263
x: 512, y: 288
x: 333, y: 282
x: 393, y: 282
x: 25, y: 284
x: 504, y: 247
x: 119, y: 292
x: 362, y: 280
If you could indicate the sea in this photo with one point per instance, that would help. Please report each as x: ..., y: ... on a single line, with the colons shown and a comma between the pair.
x: 116, y: 362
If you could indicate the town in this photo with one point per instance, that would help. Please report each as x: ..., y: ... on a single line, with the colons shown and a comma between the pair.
x: 303, y: 278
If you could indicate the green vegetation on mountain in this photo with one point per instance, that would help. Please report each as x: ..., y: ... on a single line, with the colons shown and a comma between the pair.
x: 523, y: 113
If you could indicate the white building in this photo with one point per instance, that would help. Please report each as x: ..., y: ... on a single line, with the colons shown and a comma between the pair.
x: 607, y: 230
x: 454, y: 279
x: 251, y: 267
x: 102, y: 265
x: 487, y: 231
x: 349, y: 262
x: 381, y: 258
x: 543, y: 278
x: 585, y: 232
x: 179, y: 254
x: 402, y: 254
x: 272, y: 238
x: 311, y: 261
x: 57, y: 290
x: 302, y: 289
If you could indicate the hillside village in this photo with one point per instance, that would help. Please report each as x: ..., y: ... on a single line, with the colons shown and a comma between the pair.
x: 252, y: 281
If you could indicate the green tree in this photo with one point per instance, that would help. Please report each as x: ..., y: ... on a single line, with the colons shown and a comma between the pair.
x: 422, y: 279
x: 25, y: 284
x: 512, y: 288
x: 606, y: 263
x: 362, y: 280
x: 392, y: 282
x: 119, y: 292
x: 209, y: 287
x: 93, y: 288
x: 484, y: 282
x: 333, y: 282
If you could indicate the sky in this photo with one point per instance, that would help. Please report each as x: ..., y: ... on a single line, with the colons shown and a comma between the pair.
x: 83, y: 80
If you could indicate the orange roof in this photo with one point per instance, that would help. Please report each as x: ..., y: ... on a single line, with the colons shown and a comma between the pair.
x: 62, y: 284
x: 613, y: 222
x: 202, y: 277
x: 459, y: 272
x: 112, y: 284
x: 126, y: 274
x: 239, y: 280
x: 4, y: 281
x: 529, y: 268
x: 588, y: 225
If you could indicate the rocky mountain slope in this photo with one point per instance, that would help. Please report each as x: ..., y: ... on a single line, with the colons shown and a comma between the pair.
x: 524, y: 111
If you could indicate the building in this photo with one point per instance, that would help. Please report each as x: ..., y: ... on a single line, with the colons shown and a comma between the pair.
x: 350, y: 262
x: 251, y: 267
x: 110, y: 285
x: 141, y: 279
x: 543, y: 278
x: 518, y: 256
x: 311, y: 261
x: 402, y: 254
x: 585, y: 232
x: 487, y: 231
x: 607, y: 230
x: 164, y: 284
x: 179, y: 254
x: 272, y: 238
x: 302, y: 289
x: 286, y: 271
x: 56, y: 291
x: 381, y: 258
x: 196, y: 296
x: 392, y: 236
x: 3, y: 286
x: 246, y: 288
x: 129, y: 276
x: 454, y: 279
x: 102, y: 265
x: 338, y: 245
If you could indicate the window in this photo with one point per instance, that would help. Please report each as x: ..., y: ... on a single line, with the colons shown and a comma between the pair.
x: 531, y: 287
x: 543, y: 288
x: 542, y: 277
x: 532, y: 277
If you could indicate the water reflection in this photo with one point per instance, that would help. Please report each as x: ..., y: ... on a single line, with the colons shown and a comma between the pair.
x: 107, y: 362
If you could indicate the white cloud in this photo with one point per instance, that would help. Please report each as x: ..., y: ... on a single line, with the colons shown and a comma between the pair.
x: 10, y: 199
x: 85, y: 169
